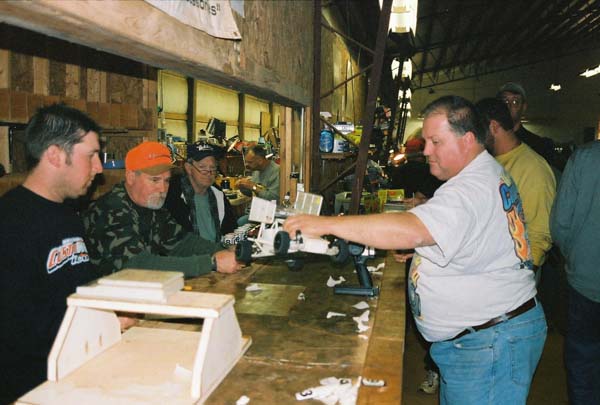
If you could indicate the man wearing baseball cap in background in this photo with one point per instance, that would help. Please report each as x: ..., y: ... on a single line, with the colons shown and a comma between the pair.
x: 193, y: 199
x: 128, y: 227
x: 513, y: 94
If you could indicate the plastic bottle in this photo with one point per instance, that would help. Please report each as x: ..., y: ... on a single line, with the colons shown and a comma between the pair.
x: 326, y: 141
x: 287, y: 203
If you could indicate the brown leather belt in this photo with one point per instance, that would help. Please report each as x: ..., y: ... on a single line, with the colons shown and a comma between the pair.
x: 526, y: 306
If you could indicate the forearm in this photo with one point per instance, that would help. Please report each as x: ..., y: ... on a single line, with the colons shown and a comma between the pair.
x: 190, y: 266
x: 540, y: 244
x: 268, y: 194
x: 191, y: 244
x: 381, y: 231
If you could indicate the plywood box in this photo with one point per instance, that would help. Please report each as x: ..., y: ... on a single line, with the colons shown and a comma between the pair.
x: 92, y: 363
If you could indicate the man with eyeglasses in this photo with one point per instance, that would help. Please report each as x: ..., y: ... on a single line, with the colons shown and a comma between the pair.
x: 264, y: 182
x: 193, y: 199
x: 129, y: 227
x: 513, y: 94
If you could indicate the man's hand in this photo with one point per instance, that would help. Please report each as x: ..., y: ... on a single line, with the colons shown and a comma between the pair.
x: 310, y: 225
x: 245, y: 183
x: 402, y: 256
x: 226, y: 262
x: 127, y: 320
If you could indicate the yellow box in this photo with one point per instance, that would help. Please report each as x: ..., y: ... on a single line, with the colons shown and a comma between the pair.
x: 395, y: 195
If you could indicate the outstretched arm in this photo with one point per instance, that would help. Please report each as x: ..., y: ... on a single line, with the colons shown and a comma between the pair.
x: 401, y: 230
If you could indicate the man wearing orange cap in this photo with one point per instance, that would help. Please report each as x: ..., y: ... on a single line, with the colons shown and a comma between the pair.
x: 128, y: 227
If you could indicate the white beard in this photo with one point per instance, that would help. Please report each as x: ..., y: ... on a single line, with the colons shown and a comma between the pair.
x: 156, y: 201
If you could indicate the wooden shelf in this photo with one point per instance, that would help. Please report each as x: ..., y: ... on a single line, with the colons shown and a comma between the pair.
x: 337, y: 156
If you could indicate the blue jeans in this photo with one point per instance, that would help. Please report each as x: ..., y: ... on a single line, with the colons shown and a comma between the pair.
x: 582, y: 350
x: 494, y: 365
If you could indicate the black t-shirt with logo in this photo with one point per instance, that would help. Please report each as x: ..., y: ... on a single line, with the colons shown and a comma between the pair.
x: 43, y: 258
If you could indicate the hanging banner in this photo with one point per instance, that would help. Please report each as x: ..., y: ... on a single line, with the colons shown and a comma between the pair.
x: 211, y: 16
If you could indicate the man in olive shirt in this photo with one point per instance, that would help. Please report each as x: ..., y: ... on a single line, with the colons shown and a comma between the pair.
x: 128, y: 227
x: 264, y: 182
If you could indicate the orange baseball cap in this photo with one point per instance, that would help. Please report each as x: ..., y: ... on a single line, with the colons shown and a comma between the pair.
x: 414, y: 145
x: 149, y: 157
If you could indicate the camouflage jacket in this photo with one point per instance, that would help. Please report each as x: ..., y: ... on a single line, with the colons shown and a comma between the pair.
x: 122, y: 234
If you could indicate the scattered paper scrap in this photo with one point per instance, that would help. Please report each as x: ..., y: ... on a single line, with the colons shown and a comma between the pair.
x: 253, y: 287
x: 301, y: 297
x: 364, y: 317
x: 373, y: 383
x: 373, y: 269
x: 332, y: 391
x: 362, y: 321
x: 364, y: 337
x: 243, y: 400
x: 332, y: 314
x: 361, y: 305
x: 332, y: 282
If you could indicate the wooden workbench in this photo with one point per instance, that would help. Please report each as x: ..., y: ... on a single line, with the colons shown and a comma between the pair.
x: 295, y: 345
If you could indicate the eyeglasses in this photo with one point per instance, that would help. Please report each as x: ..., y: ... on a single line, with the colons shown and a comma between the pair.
x: 512, y: 101
x: 205, y: 171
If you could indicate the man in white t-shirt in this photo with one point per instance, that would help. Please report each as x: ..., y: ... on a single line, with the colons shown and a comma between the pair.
x: 471, y: 287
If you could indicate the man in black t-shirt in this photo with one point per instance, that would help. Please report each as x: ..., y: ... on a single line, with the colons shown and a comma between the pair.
x: 44, y: 256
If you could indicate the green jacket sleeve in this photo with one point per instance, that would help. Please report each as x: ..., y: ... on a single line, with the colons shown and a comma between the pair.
x: 121, y: 235
x: 190, y: 266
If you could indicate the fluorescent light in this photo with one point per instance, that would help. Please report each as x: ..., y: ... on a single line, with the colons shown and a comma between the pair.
x: 591, y: 72
x: 555, y: 87
x: 395, y: 68
x: 403, y: 18
x: 407, y: 69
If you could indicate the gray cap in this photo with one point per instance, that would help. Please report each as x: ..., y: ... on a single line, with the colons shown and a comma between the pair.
x: 513, y: 87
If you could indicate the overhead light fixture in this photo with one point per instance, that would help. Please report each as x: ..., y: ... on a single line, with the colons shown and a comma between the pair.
x: 555, y: 87
x: 404, y: 16
x: 591, y: 72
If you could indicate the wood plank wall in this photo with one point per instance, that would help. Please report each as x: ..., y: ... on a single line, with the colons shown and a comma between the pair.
x: 36, y: 70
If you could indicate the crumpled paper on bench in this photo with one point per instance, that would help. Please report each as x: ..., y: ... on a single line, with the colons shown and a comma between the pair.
x: 332, y: 391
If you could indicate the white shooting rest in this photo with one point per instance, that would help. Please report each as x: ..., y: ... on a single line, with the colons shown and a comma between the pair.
x: 91, y: 362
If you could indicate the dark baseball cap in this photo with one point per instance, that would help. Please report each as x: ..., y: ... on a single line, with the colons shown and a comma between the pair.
x: 200, y: 150
x: 513, y: 87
